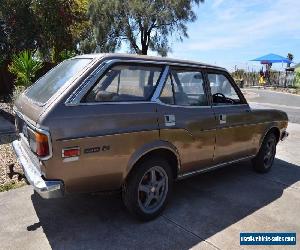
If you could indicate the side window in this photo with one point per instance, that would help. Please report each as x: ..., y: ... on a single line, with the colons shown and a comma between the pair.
x: 125, y: 83
x: 167, y: 92
x: 222, y: 91
x: 187, y: 87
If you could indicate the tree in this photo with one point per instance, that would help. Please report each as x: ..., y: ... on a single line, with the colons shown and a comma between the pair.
x: 62, y: 25
x: 290, y: 56
x: 18, y: 27
x: 143, y: 24
x: 3, y: 42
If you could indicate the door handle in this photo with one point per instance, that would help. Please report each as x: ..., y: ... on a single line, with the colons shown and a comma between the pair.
x: 222, y: 118
x: 170, y: 120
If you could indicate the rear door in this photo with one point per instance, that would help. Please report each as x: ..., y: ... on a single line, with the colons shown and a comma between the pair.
x: 235, y: 135
x: 186, y: 118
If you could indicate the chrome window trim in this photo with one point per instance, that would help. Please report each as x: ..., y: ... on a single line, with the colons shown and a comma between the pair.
x: 231, y: 105
x: 159, y: 88
x: 160, y: 85
x: 181, y: 106
x: 75, y: 98
x: 111, y: 103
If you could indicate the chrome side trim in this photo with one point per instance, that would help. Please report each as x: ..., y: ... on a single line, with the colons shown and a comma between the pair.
x: 46, y: 188
x: 182, y: 176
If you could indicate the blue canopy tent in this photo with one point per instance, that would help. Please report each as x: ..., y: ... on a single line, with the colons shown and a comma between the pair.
x: 268, y: 60
x: 272, y: 58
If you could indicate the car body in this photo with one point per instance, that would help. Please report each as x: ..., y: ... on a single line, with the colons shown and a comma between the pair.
x: 90, y: 122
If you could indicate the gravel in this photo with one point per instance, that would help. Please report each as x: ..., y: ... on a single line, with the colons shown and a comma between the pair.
x: 9, y: 162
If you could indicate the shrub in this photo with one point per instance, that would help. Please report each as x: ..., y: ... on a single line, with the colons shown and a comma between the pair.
x: 297, y: 79
x: 24, y: 66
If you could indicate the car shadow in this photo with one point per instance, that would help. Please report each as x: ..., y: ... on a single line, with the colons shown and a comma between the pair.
x: 201, y: 207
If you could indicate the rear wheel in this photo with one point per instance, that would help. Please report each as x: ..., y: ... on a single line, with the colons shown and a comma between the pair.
x: 263, y: 161
x: 148, y: 188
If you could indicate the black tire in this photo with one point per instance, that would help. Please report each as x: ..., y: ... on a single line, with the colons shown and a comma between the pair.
x: 140, y: 187
x: 263, y: 161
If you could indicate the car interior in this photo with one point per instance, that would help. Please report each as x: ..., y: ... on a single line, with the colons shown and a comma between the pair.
x: 116, y: 86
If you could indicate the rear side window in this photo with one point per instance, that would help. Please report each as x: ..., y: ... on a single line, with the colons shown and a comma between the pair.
x: 125, y: 83
x: 184, y: 88
x: 50, y: 83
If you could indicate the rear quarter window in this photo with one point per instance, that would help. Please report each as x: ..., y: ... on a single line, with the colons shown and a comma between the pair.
x: 44, y: 88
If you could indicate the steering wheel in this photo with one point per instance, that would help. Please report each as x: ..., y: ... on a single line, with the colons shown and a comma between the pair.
x: 219, y: 95
x: 222, y: 97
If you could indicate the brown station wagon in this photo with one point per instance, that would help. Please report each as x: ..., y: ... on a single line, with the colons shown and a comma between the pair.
x: 109, y: 122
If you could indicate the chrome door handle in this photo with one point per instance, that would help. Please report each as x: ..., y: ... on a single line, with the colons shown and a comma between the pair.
x: 170, y: 120
x: 222, y: 118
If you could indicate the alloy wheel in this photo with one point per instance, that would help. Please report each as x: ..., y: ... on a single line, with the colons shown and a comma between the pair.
x: 153, y: 189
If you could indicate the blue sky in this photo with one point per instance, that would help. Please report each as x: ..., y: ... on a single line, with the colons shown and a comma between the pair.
x: 232, y: 32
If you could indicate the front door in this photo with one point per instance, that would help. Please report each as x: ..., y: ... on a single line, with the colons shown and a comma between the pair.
x: 186, y: 119
x: 234, y: 137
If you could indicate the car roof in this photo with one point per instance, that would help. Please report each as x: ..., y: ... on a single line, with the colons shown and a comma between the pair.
x: 164, y: 60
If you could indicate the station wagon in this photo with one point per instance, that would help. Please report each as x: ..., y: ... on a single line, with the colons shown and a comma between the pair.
x: 109, y: 122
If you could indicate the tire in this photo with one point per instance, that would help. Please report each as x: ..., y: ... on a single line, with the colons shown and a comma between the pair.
x: 263, y: 161
x: 148, y: 189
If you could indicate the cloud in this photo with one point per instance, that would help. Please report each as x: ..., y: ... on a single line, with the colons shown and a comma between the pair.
x: 217, y: 3
x: 237, y: 24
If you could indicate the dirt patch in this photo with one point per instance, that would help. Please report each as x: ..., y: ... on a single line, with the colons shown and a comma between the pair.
x: 10, y: 171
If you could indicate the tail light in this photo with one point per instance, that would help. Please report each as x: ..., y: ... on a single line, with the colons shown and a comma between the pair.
x: 38, y: 143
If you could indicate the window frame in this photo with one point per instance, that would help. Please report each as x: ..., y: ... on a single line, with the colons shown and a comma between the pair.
x: 186, y: 69
x: 232, y: 83
x: 133, y: 63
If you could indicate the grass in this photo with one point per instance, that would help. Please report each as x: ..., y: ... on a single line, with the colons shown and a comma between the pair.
x: 11, y: 185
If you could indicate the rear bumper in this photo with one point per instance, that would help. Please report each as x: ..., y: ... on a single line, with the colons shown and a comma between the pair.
x: 45, y: 188
x: 284, y: 135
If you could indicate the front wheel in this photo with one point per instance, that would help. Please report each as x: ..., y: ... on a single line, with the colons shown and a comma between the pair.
x: 263, y: 161
x: 148, y: 188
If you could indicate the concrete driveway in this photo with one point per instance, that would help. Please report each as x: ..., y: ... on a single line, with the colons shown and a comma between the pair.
x: 207, y: 212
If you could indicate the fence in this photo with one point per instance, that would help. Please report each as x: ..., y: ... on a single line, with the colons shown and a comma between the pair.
x: 276, y: 79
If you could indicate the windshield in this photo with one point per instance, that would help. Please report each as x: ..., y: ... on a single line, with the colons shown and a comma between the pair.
x: 50, y: 83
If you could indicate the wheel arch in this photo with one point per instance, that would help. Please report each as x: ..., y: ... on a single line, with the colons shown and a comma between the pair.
x: 272, y: 129
x: 162, y: 149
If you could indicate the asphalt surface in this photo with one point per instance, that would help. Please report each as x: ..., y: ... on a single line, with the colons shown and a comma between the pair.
x: 289, y: 103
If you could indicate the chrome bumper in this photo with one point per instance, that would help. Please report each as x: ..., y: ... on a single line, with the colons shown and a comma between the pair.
x: 284, y: 135
x: 45, y: 188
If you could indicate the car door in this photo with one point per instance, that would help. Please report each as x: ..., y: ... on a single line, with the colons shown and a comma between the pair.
x: 234, y: 135
x: 186, y: 118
